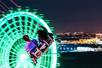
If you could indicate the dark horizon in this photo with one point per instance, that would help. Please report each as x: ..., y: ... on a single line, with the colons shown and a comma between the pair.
x: 68, y: 16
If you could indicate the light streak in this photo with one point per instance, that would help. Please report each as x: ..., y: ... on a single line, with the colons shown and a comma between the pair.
x: 15, y: 3
x: 4, y: 4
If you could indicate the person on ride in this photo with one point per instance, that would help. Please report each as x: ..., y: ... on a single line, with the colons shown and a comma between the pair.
x: 32, y: 48
x: 44, y: 36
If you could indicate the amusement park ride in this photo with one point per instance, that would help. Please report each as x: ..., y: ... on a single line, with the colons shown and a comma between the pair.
x: 35, y: 48
x: 17, y: 27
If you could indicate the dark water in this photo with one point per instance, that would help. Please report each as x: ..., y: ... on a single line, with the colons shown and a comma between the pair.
x: 81, y: 60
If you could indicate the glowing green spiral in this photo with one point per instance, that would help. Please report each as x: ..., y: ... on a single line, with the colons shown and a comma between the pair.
x: 12, y: 53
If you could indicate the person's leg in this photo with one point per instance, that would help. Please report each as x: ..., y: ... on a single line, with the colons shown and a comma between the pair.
x: 37, y: 53
x: 43, y: 45
x: 51, y: 40
x: 46, y: 42
x: 34, y: 59
x: 45, y: 49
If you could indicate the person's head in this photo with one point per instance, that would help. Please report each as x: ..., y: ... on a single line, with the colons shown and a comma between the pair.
x: 26, y: 38
x: 42, y: 34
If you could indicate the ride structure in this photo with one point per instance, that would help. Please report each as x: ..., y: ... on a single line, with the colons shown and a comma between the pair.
x: 15, y: 24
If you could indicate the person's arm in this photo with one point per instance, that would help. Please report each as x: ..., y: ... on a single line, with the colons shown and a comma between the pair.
x: 27, y: 47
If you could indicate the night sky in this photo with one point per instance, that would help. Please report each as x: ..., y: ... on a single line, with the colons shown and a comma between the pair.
x: 68, y: 15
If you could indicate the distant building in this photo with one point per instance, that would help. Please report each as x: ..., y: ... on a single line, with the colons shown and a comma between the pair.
x: 79, y: 42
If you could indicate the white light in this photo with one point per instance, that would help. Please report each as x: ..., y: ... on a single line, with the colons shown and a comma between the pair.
x: 81, y: 49
x: 23, y: 56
